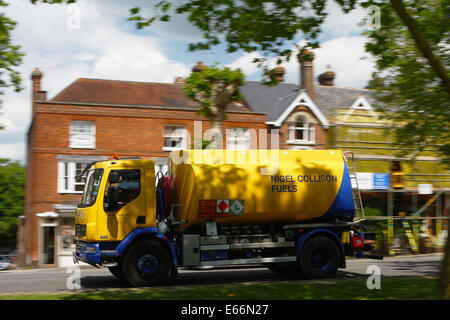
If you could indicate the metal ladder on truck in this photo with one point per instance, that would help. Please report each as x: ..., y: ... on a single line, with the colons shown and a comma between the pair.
x: 359, y: 209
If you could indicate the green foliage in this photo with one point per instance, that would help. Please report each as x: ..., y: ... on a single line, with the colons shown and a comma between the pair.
x: 54, y: 1
x: 12, y: 179
x: 214, y: 88
x: 10, y: 55
x: 409, y: 90
x: 200, y: 144
x: 372, y: 212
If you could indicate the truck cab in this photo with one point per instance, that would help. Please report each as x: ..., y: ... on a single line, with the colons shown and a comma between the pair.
x: 119, y: 197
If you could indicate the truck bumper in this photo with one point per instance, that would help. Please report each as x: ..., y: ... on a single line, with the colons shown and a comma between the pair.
x: 88, y: 253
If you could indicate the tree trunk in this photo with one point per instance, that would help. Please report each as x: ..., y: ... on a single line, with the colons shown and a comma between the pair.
x: 444, y: 281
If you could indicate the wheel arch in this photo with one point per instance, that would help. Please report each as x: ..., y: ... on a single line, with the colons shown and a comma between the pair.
x: 144, y: 234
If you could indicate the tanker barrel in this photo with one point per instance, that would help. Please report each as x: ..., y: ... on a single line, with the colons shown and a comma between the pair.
x: 262, y: 186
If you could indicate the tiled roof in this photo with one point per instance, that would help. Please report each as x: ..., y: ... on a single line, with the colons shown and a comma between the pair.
x: 125, y: 93
x: 131, y: 93
x: 331, y: 97
x: 273, y: 100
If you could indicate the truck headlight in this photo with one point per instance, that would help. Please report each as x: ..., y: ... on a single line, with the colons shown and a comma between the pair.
x: 90, y: 249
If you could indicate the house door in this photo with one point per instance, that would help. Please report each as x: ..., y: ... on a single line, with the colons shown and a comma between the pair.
x: 48, y: 253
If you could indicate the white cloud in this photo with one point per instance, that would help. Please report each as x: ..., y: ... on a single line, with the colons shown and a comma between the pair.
x: 344, y: 54
x: 14, y: 116
x: 246, y: 64
x: 340, y: 24
x: 104, y: 46
x: 13, y: 151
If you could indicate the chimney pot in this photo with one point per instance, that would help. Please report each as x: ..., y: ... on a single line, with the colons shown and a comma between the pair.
x: 199, y: 67
x: 179, y: 80
x: 278, y: 73
x: 36, y: 74
x: 326, y: 78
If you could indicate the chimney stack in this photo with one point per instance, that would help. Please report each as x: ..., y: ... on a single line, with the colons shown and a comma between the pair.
x: 326, y: 78
x: 306, y: 72
x: 278, y: 73
x: 36, y: 77
x: 37, y: 94
x: 199, y: 67
x: 179, y: 80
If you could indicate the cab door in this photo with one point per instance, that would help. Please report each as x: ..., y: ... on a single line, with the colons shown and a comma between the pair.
x: 123, y: 203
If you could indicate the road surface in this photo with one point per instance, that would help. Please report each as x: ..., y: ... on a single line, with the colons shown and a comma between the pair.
x: 54, y: 280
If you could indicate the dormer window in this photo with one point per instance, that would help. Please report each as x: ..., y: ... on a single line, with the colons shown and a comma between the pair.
x: 301, y: 130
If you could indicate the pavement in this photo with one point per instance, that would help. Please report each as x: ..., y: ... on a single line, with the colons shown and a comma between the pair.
x: 57, y: 279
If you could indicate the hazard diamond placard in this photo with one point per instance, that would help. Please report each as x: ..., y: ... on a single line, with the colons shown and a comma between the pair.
x: 223, y: 206
x: 236, y: 207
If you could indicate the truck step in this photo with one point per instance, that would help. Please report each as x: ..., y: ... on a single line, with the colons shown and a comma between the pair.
x: 248, y: 261
x: 250, y: 245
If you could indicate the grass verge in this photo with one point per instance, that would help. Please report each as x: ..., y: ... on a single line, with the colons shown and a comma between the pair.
x: 417, y: 288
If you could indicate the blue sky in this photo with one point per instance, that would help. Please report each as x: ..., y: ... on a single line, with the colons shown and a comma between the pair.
x: 107, y: 46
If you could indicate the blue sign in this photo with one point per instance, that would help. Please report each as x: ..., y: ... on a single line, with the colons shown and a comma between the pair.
x: 381, y: 181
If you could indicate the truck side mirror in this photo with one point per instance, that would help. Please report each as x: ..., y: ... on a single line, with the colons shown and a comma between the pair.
x: 114, y: 177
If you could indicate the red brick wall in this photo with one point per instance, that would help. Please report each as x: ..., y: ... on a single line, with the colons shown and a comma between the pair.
x: 128, y: 131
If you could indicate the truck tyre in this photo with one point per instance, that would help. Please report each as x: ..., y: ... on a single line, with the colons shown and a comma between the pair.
x: 146, y: 263
x: 116, y: 272
x: 318, y: 259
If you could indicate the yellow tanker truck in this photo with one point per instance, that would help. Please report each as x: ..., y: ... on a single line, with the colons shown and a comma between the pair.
x: 291, y: 211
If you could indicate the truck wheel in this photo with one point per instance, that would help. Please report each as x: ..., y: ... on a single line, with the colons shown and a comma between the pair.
x: 318, y: 259
x: 146, y: 263
x: 116, y: 272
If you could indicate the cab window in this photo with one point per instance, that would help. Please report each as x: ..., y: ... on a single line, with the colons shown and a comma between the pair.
x: 123, y: 186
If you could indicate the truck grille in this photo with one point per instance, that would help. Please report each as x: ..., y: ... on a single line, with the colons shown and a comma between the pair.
x: 80, y: 230
x: 79, y: 246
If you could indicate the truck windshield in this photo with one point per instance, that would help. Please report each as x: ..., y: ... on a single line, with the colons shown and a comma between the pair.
x: 90, y: 192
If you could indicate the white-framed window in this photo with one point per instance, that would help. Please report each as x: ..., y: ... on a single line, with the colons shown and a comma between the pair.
x: 238, y: 139
x: 82, y: 135
x: 301, y: 131
x: 67, y: 172
x: 174, y: 137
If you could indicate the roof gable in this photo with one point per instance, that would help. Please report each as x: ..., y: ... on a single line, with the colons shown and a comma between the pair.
x: 305, y: 100
x: 279, y: 101
x: 361, y: 103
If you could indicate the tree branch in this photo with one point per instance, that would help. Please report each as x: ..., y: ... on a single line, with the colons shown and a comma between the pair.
x: 421, y: 43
